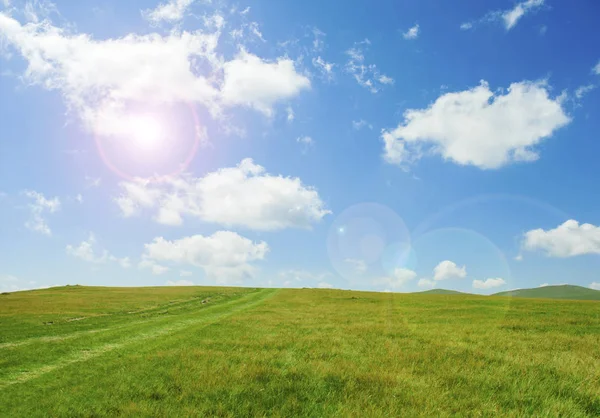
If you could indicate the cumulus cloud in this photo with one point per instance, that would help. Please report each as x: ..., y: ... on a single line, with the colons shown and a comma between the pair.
x: 253, y: 82
x: 509, y: 17
x: 478, y: 127
x: 595, y: 286
x: 86, y: 251
x: 488, y: 283
x: 596, y: 69
x: 449, y: 270
x: 397, y: 279
x: 99, y: 79
x: 412, y: 33
x: 244, y: 196
x: 366, y: 75
x: 567, y: 240
x: 225, y: 256
x: 37, y: 208
x: 171, y: 11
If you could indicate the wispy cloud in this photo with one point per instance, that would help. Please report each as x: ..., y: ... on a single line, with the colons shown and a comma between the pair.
x: 412, y: 33
x: 366, y: 75
x: 38, y: 207
x: 509, y: 17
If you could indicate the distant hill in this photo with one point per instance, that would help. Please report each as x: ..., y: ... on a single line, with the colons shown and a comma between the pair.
x: 554, y: 292
x: 442, y: 292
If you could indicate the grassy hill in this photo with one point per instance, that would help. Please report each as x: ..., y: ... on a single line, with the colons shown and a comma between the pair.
x: 555, y: 292
x: 441, y: 292
x: 209, y: 351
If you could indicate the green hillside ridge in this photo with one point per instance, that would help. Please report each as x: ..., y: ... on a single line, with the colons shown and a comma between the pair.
x: 226, y: 351
x: 554, y: 292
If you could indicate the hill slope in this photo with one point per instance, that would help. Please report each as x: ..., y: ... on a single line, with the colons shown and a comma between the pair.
x: 212, y: 351
x: 555, y: 292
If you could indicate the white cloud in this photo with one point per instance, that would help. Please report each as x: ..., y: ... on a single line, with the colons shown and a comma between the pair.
x: 180, y: 283
x: 238, y: 196
x: 37, y: 208
x: 361, y: 123
x: 255, y: 83
x: 124, y: 262
x: 185, y: 273
x: 519, y: 257
x: 225, y: 256
x: 449, y: 270
x: 384, y: 79
x: 566, y: 240
x: 359, y: 266
x: 583, y: 90
x: 324, y: 67
x: 412, y: 33
x: 155, y: 268
x: 79, y: 198
x: 427, y: 283
x: 246, y: 31
x: 508, y: 18
x: 86, y: 252
x: 290, y: 114
x: 595, y: 286
x: 307, y: 143
x: 171, y: 11
x: 367, y: 76
x: 398, y: 278
x: 544, y: 285
x: 325, y: 285
x: 318, y: 43
x: 512, y: 16
x: 488, y: 283
x: 596, y: 69
x: 101, y: 79
x: 478, y: 127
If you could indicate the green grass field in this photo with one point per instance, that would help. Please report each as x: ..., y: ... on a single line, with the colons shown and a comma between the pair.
x: 199, y: 351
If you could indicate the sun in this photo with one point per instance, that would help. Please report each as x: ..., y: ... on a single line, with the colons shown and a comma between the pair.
x: 145, y: 131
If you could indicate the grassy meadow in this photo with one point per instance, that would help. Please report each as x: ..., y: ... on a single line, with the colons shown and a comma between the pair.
x: 208, y: 351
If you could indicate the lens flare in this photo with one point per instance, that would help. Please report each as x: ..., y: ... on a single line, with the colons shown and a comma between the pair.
x: 146, y: 131
x: 153, y: 143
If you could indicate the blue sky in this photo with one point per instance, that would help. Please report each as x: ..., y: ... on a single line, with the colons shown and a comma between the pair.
x: 400, y: 147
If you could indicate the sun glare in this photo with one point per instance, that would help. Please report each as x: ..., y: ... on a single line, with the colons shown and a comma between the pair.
x: 146, y: 132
